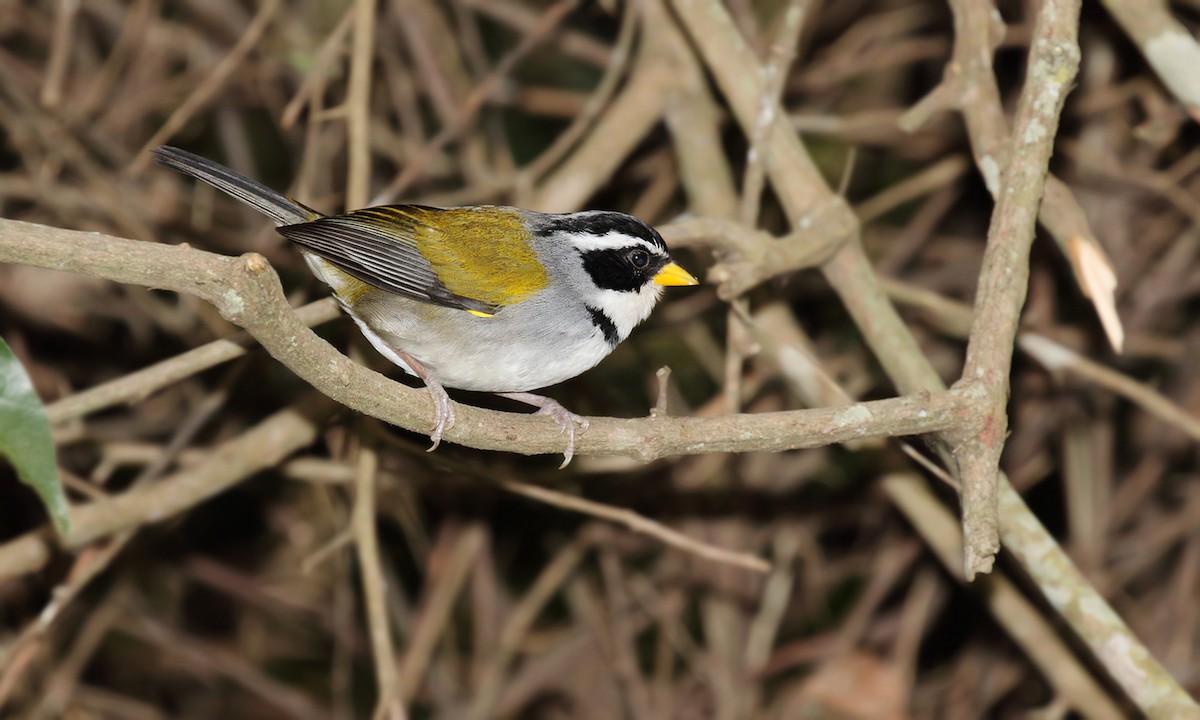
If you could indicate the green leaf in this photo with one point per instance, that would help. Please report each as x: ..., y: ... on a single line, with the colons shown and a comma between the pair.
x: 25, y: 438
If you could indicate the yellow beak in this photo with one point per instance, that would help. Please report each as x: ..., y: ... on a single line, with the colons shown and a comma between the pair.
x: 672, y: 274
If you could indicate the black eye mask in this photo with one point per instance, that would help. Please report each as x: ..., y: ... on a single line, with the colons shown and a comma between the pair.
x: 616, y: 269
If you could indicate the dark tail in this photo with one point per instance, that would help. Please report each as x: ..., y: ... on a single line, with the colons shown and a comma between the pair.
x: 263, y: 199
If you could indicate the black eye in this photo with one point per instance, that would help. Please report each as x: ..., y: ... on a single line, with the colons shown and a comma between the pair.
x: 639, y: 258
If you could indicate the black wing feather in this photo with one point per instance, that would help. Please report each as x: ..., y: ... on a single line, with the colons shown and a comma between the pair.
x: 383, y: 257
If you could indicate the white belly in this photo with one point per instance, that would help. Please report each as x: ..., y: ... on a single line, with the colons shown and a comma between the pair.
x: 516, y: 350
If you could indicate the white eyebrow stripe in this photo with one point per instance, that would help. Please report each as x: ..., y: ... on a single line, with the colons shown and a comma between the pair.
x: 611, y: 241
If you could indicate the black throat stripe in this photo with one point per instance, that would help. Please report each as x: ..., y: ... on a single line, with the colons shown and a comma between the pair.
x: 602, y: 321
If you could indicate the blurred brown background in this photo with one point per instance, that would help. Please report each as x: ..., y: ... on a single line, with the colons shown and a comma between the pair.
x: 500, y: 604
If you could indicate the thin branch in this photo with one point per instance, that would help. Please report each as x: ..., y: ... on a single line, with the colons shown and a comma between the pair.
x: 139, y: 385
x: 637, y: 108
x: 694, y: 120
x: 442, y: 587
x: 538, y: 34
x: 213, y: 82
x: 520, y: 621
x: 322, y: 64
x: 262, y: 447
x: 1059, y: 358
x: 954, y: 318
x: 388, y: 704
x: 1127, y: 660
x: 61, y: 46
x: 748, y: 257
x: 582, y: 121
x: 358, y: 102
x: 639, y: 523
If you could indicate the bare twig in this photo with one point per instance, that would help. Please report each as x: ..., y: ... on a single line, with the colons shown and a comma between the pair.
x: 1129, y: 662
x: 955, y: 318
x: 630, y: 115
x: 212, y: 83
x: 970, y: 87
x: 640, y: 524
x: 444, y: 586
x: 358, y: 102
x: 314, y: 80
x: 60, y: 52
x: 262, y: 447
x: 614, y: 70
x: 1060, y: 359
x: 141, y: 384
x: 537, y: 34
x: 520, y: 621
x: 388, y: 705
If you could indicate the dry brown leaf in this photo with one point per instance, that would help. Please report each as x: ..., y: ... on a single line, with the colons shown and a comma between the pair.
x: 852, y: 687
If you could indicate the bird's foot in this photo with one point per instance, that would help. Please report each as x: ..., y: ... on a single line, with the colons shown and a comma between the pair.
x: 567, y: 420
x: 443, y: 411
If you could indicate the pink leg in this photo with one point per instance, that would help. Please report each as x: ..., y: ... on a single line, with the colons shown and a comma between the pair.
x: 566, y: 419
x: 443, y: 411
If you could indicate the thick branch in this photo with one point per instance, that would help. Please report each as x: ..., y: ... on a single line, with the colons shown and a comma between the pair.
x: 1129, y: 662
x: 246, y: 291
x: 1004, y: 278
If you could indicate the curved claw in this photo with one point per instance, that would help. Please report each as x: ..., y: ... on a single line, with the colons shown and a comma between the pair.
x: 443, y: 414
x: 570, y: 451
x: 443, y: 420
x: 566, y: 419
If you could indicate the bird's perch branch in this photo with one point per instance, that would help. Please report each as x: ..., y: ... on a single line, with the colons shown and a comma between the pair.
x: 246, y: 291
